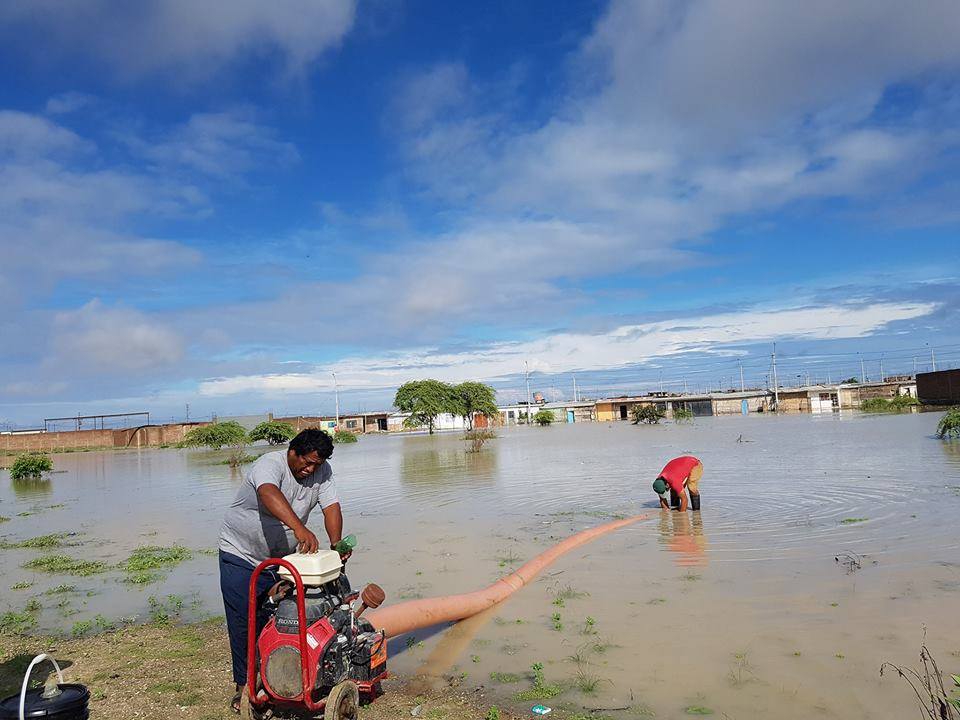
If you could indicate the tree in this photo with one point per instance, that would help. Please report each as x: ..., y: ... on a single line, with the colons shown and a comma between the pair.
x: 543, y: 417
x: 424, y: 400
x: 215, y: 435
x: 850, y: 381
x: 273, y: 431
x: 649, y: 413
x: 475, y: 398
x: 682, y: 414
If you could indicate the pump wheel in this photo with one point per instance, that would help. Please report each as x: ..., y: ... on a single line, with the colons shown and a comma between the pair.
x: 343, y: 702
x: 247, y: 710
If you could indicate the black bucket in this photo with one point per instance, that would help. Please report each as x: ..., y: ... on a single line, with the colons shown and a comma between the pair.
x: 68, y: 702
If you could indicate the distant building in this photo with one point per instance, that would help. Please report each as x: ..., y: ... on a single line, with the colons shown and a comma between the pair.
x: 941, y: 387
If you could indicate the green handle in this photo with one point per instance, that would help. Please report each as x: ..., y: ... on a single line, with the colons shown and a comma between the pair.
x: 346, y: 545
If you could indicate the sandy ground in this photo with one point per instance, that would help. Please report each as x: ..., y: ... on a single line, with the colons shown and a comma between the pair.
x: 183, y: 672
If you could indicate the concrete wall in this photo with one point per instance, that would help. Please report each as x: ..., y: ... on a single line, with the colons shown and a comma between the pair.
x: 146, y: 436
x: 734, y: 405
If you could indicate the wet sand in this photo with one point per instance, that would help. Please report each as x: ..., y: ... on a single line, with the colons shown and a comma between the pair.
x: 742, y: 609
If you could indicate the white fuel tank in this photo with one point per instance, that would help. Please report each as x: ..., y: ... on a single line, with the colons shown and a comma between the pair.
x: 315, y: 569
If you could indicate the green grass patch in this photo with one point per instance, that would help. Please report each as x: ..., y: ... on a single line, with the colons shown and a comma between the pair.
x: 41, y: 542
x: 697, y: 710
x: 853, y: 521
x: 65, y: 565
x: 541, y: 690
x: 17, y: 623
x: 60, y: 589
x: 505, y: 678
x: 22, y: 585
x: 143, y: 563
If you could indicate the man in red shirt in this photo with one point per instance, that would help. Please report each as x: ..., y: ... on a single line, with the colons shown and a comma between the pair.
x: 680, y: 473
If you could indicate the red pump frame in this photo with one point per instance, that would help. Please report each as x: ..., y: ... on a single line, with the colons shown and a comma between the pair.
x: 306, y: 693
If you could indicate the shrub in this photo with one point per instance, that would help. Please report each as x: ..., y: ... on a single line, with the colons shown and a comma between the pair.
x: 215, y: 435
x: 273, y: 431
x: 477, y: 438
x: 649, y: 413
x: 895, y: 404
x: 30, y: 465
x: 682, y: 415
x: 949, y: 425
x: 543, y: 417
x: 344, y: 436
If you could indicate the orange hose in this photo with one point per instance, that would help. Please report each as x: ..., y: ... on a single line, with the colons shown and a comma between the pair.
x: 416, y: 614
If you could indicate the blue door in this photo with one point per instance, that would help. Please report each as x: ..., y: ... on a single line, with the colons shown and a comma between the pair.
x: 570, y: 418
x: 744, y: 407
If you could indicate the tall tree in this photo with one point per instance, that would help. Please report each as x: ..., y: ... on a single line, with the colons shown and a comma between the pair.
x: 424, y: 400
x: 476, y: 398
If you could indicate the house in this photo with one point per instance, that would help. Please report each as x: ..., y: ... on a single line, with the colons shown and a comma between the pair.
x: 740, y: 403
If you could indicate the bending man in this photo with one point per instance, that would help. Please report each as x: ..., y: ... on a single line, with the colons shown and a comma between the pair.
x: 268, y: 518
x: 680, y: 473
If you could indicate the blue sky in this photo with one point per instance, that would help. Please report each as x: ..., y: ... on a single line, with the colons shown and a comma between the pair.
x: 221, y: 204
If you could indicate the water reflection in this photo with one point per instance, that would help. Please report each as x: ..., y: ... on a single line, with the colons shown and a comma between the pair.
x: 31, y: 487
x: 447, y: 465
x: 682, y: 533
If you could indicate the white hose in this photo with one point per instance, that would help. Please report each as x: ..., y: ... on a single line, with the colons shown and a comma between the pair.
x: 26, y: 679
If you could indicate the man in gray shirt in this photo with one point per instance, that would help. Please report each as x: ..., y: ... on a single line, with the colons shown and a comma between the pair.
x: 268, y: 518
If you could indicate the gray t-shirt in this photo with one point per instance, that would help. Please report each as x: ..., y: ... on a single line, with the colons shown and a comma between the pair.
x: 249, y: 530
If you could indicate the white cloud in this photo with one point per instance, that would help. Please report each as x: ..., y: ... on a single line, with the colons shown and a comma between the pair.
x: 97, y: 336
x: 190, y: 40
x: 68, y: 102
x: 221, y: 145
x: 565, y: 352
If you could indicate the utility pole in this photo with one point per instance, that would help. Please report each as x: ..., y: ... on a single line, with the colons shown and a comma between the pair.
x: 526, y: 372
x: 914, y: 366
x: 661, y: 381
x: 740, y: 362
x: 575, y: 398
x: 776, y: 389
x: 685, y: 386
x: 881, y: 367
x: 863, y: 376
x: 933, y: 360
x: 336, y: 393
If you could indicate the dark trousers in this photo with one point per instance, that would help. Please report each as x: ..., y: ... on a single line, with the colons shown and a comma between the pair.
x: 235, y: 587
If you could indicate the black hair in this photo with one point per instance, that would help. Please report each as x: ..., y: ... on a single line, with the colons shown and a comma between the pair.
x: 312, y: 439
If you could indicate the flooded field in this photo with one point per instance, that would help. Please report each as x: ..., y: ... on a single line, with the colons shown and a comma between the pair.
x: 825, y: 546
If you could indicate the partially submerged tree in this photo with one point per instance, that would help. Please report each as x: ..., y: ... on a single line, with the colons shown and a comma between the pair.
x: 949, y: 425
x: 215, y: 435
x: 682, y: 414
x: 424, y: 400
x: 543, y: 417
x: 475, y: 398
x: 649, y: 413
x: 30, y: 465
x: 273, y: 431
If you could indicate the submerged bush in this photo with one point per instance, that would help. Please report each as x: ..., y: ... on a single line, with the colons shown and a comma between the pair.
x: 682, y: 414
x: 649, y: 413
x: 477, y: 438
x: 543, y: 417
x: 273, y: 431
x: 30, y: 465
x: 216, y: 435
x: 344, y: 436
x: 949, y: 425
x: 895, y: 404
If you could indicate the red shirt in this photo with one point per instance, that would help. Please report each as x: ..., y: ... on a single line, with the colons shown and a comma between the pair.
x: 678, y: 470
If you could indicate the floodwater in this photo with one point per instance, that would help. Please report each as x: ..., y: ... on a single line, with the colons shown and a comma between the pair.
x: 753, y: 607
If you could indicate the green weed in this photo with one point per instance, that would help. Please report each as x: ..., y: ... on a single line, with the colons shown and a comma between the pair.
x: 22, y: 585
x: 505, y: 678
x: 17, y: 623
x: 852, y: 520
x: 60, y: 589
x: 540, y: 690
x: 65, y: 565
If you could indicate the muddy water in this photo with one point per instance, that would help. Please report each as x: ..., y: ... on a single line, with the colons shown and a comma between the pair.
x: 743, y: 609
